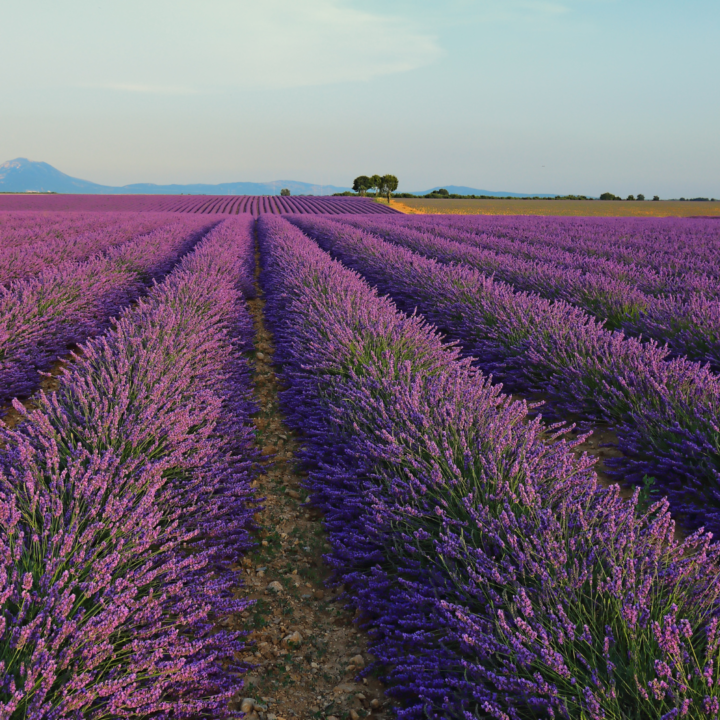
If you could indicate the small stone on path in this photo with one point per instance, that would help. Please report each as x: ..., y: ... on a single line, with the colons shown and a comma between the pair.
x: 294, y: 639
x: 247, y: 705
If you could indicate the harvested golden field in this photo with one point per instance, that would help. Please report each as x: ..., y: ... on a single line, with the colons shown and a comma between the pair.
x: 609, y: 208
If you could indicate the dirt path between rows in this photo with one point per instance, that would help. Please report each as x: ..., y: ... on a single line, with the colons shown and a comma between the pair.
x: 602, y: 444
x: 48, y: 383
x: 306, y: 650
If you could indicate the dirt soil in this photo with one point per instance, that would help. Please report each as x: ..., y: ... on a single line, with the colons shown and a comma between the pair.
x: 602, y: 444
x: 11, y: 417
x: 306, y: 649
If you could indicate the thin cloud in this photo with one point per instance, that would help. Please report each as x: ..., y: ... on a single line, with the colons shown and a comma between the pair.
x: 181, y: 46
x: 547, y: 8
x: 145, y: 89
x: 326, y: 41
x: 520, y: 10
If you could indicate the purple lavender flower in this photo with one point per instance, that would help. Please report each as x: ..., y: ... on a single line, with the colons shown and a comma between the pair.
x: 685, y: 315
x: 495, y: 576
x: 42, y: 317
x: 29, y: 243
x: 221, y: 204
x: 665, y: 412
x: 125, y: 497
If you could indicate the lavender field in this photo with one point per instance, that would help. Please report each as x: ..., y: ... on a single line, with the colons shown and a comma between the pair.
x: 439, y: 380
x: 197, y: 204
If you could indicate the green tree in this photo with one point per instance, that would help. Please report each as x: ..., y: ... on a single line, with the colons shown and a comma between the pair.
x: 640, y: 197
x: 376, y: 181
x: 630, y: 197
x: 388, y: 185
x: 361, y: 184
x: 609, y: 196
x: 656, y: 198
x: 285, y: 192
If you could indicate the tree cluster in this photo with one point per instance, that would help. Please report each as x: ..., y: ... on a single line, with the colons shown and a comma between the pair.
x: 640, y: 196
x: 383, y: 185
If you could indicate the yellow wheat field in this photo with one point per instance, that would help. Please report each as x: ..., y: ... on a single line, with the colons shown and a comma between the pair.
x: 607, y: 208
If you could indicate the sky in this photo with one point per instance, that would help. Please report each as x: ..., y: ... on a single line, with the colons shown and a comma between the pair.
x: 546, y: 96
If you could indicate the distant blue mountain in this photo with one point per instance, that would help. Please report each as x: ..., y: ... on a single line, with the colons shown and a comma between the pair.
x: 23, y: 175
x: 462, y: 190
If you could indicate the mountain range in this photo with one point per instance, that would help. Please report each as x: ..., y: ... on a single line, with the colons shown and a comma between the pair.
x: 23, y: 175
x: 463, y: 190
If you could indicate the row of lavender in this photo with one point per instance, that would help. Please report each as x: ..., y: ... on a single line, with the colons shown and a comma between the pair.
x: 30, y: 243
x: 125, y: 497
x: 496, y: 578
x: 671, y: 244
x: 24, y: 228
x: 42, y: 316
x: 689, y: 323
x: 689, y: 263
x: 665, y: 411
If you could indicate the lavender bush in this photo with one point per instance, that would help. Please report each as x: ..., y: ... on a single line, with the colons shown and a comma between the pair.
x: 496, y: 577
x: 691, y: 327
x: 123, y: 499
x: 41, y: 317
x: 31, y: 248
x: 666, y: 278
x: 28, y: 227
x: 680, y: 246
x: 665, y: 412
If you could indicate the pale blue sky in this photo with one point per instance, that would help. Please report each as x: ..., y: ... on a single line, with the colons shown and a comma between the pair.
x: 521, y: 95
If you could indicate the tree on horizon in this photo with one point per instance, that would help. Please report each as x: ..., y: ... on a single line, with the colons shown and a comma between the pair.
x: 388, y: 185
x: 362, y: 184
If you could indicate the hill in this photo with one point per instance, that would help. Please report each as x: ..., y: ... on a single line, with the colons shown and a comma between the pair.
x: 23, y: 175
x: 463, y: 190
